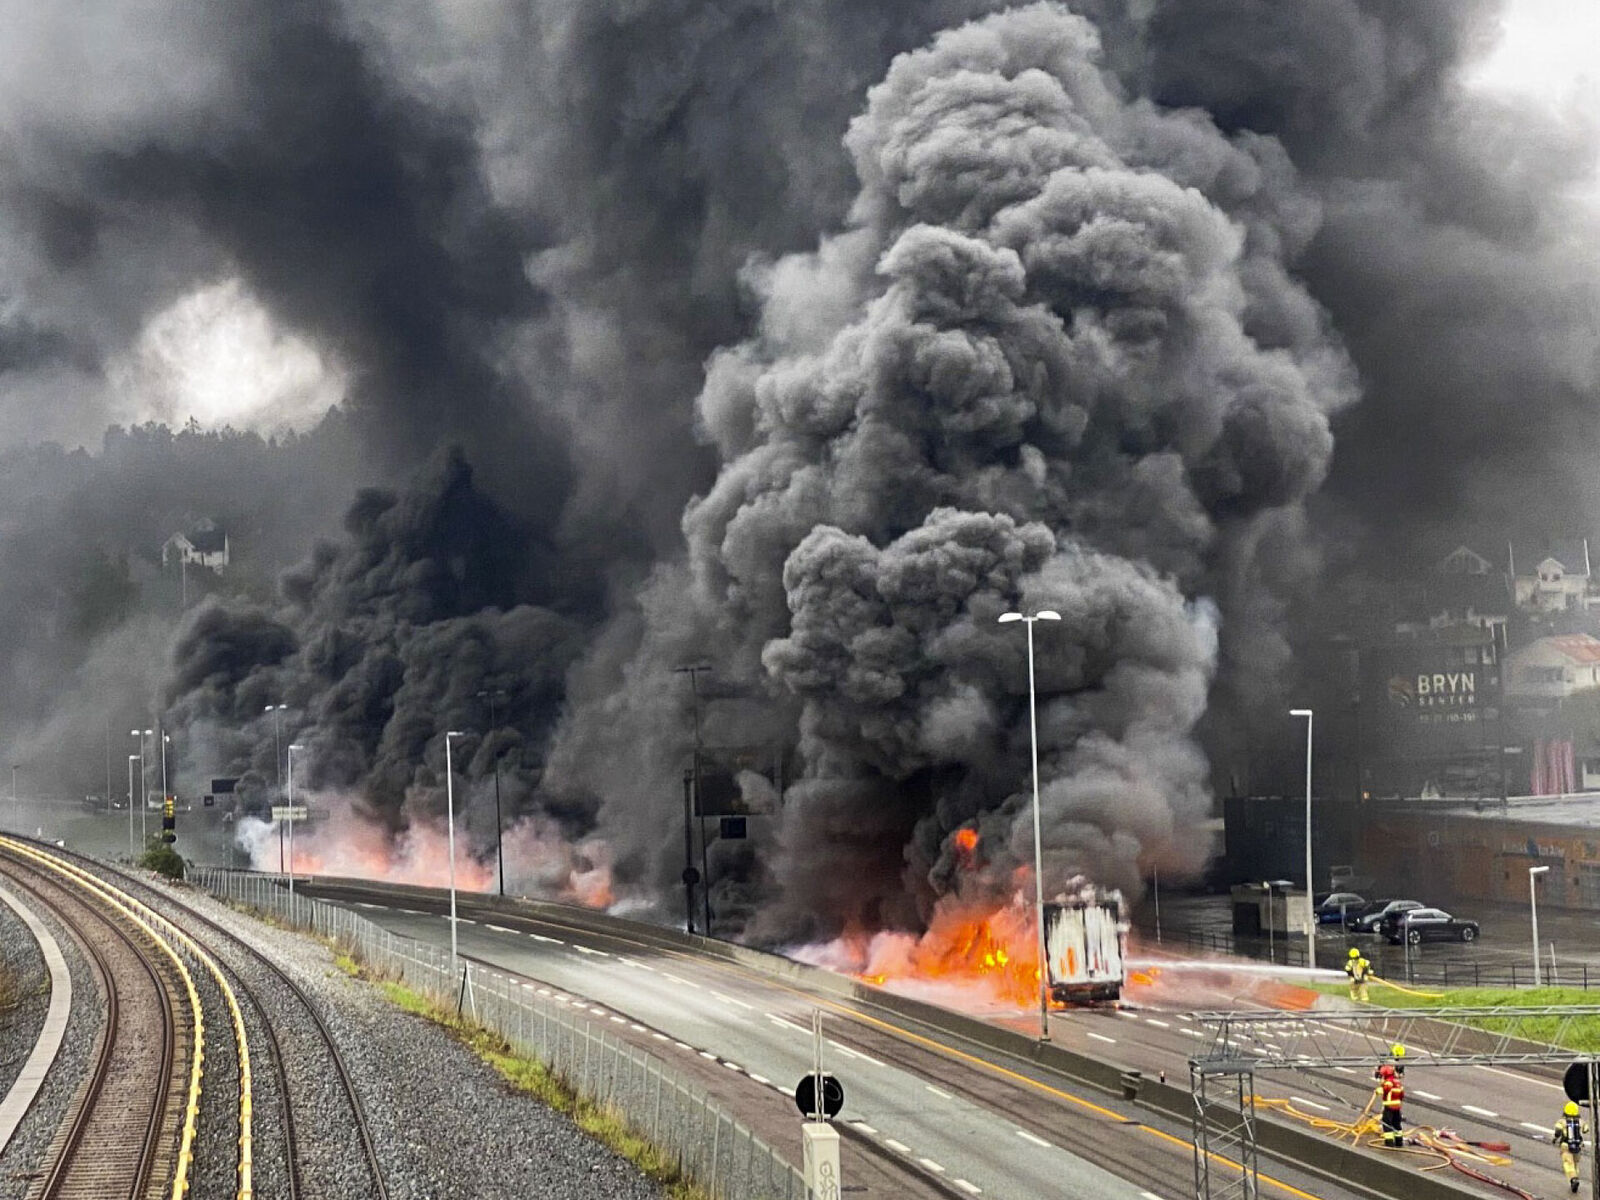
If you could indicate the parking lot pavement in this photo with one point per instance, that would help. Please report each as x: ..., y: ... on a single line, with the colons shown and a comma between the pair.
x: 1505, y: 941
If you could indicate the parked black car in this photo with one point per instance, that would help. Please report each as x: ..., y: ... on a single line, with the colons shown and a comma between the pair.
x: 1339, y: 906
x: 1368, y: 921
x: 1418, y: 925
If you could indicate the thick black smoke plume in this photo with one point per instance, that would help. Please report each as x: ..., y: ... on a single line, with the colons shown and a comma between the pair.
x: 1056, y: 360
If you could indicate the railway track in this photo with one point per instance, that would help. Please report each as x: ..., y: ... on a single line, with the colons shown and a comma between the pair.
x: 269, y: 1020
x: 118, y: 1137
x: 280, y: 1066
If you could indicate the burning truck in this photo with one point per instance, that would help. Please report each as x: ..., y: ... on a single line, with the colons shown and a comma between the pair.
x: 1085, y: 943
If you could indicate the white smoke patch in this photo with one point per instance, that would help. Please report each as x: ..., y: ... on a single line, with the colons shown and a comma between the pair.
x: 218, y: 357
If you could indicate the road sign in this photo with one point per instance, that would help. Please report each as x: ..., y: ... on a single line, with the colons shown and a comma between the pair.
x: 805, y: 1096
x: 288, y: 812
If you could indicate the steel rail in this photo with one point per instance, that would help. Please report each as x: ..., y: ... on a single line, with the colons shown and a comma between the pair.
x: 59, y: 1180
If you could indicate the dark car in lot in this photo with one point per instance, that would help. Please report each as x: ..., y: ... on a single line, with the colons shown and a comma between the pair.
x: 1337, y: 908
x: 1417, y: 925
x: 1368, y: 921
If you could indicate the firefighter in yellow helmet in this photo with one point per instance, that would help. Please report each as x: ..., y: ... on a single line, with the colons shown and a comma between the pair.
x: 1359, y: 970
x: 1570, y: 1130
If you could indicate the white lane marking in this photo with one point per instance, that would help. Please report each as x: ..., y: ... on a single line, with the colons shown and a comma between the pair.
x: 708, y: 1054
x: 731, y: 1000
x: 1100, y: 1037
x: 1185, y: 1017
x: 898, y: 1147
x: 970, y: 1189
x: 938, y: 1091
x: 539, y: 937
x: 618, y: 1020
x: 1194, y: 1033
x: 1034, y: 1138
x: 863, y: 1126
x: 634, y: 962
x: 597, y: 1010
x: 1344, y: 1070
x: 1149, y: 1196
x: 677, y: 979
x: 931, y: 1165
x: 500, y: 929
x: 1274, y: 1047
x: 1482, y: 1112
x: 1309, y: 1103
x: 1426, y: 1095
x: 734, y: 1067
x: 683, y: 1045
x: 846, y: 1050
x: 590, y: 950
x: 1532, y: 1126
x: 561, y: 1000
x: 1156, y: 1023
x: 364, y: 904
x: 1521, y: 1078
x: 411, y: 912
x: 636, y: 1027
x: 1122, y: 1012
x: 467, y: 920
x: 661, y: 1037
x: 788, y: 1025
x: 759, y: 1078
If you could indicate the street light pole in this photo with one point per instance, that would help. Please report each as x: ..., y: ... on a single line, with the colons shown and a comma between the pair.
x: 277, y: 764
x: 450, y: 816
x: 144, y: 779
x: 1038, y: 842
x: 1533, y: 913
x: 293, y: 746
x: 499, y: 852
x: 132, y: 848
x: 164, y: 740
x: 693, y: 672
x: 1311, y: 916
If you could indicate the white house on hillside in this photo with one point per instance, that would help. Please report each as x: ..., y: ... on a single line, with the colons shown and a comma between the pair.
x: 204, y: 546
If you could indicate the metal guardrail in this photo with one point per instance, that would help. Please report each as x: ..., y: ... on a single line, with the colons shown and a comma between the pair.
x: 713, y: 1149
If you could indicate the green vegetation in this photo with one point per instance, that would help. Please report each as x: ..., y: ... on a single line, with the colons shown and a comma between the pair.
x: 161, y: 858
x: 535, y: 1079
x: 1582, y: 1034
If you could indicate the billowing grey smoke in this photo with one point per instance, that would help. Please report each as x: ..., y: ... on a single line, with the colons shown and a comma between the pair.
x: 1056, y: 360
x: 381, y: 642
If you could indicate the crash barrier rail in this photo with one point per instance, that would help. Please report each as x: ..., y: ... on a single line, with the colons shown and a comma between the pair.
x: 712, y: 1148
x: 1409, y: 969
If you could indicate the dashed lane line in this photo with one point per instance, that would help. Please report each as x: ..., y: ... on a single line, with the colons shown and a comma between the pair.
x: 731, y: 1000
x: 897, y: 1147
x: 1425, y: 1095
x: 1482, y: 1112
x: 1156, y: 1023
x: 938, y: 1091
x: 590, y: 950
x: 1100, y: 1037
x: 970, y: 1189
x: 863, y: 1126
x: 539, y: 937
x: 499, y: 928
x: 1309, y: 1103
x: 931, y: 1165
x: 1532, y: 1126
x: 788, y: 1025
x: 1034, y: 1138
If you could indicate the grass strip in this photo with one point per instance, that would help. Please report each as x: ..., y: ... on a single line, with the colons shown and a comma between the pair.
x: 533, y: 1078
x: 1582, y: 1033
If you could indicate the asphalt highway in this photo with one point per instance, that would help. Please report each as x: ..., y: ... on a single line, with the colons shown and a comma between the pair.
x: 923, y: 1114
x: 1518, y: 1106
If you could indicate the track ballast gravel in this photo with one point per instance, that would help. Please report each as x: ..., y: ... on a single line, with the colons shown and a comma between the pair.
x: 444, y: 1123
x: 24, y: 1157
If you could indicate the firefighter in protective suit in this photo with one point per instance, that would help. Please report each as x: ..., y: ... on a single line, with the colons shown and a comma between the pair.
x: 1359, y: 970
x: 1392, y: 1093
x: 1569, y: 1136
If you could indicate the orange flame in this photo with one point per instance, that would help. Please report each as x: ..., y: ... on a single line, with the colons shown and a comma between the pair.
x: 994, y: 950
x: 966, y: 840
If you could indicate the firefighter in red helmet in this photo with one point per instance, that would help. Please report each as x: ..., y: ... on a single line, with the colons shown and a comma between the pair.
x: 1391, y: 1093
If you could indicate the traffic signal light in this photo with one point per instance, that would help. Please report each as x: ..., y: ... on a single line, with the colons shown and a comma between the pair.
x: 169, y: 819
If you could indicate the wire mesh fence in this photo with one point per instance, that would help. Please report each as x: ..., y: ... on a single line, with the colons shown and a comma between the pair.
x: 711, y: 1147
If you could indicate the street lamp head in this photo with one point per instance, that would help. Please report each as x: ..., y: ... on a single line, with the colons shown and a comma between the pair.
x: 296, y: 746
x: 1537, y: 870
x: 1299, y: 712
x: 1007, y: 618
x: 1047, y: 614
